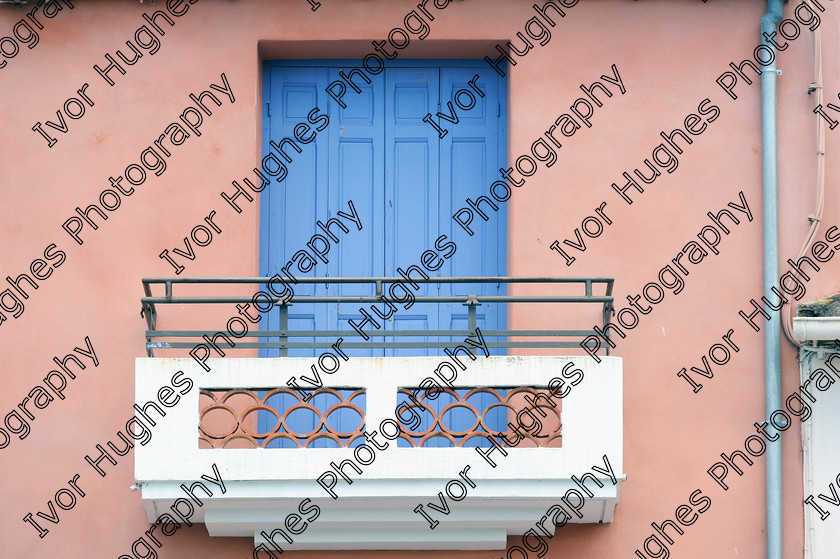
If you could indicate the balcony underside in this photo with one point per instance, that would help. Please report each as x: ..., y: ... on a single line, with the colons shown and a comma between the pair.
x: 366, y: 519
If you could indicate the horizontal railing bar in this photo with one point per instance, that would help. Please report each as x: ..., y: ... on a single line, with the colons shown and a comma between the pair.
x: 374, y: 334
x: 372, y: 299
x: 398, y: 279
x: 341, y: 387
x: 361, y: 345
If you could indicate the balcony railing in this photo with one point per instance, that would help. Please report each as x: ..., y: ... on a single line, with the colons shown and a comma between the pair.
x: 281, y: 338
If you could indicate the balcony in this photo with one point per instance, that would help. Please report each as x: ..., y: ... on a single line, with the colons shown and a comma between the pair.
x: 486, y: 449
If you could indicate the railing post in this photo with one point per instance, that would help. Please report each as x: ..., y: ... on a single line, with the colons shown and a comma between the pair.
x: 151, y: 323
x: 608, y: 310
x: 147, y: 311
x: 471, y: 304
x: 284, y: 326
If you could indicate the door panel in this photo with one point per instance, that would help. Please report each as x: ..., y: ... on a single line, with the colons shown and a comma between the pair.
x: 303, y: 194
x: 356, y: 163
x: 412, y: 161
x: 472, y: 153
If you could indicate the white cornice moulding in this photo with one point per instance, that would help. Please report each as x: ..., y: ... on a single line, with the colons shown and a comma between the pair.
x: 816, y: 328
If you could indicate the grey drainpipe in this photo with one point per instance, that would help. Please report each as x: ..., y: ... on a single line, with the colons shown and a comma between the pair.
x: 772, y: 330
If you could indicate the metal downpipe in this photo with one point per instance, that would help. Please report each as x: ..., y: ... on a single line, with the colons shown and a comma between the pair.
x: 772, y: 331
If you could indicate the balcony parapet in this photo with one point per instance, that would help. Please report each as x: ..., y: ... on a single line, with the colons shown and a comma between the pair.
x: 376, y: 510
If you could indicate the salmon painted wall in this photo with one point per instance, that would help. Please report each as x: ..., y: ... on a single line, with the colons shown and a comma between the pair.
x: 668, y: 54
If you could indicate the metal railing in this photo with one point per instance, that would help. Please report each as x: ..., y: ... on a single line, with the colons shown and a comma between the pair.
x: 283, y: 334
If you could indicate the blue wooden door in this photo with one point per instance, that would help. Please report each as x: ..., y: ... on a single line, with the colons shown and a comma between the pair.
x: 405, y: 183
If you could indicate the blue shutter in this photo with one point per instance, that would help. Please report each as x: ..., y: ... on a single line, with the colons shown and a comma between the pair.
x: 356, y: 168
x: 471, y: 154
x: 412, y: 193
x: 291, y: 208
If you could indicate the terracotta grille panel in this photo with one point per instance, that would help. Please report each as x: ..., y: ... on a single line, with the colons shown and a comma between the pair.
x: 228, y: 418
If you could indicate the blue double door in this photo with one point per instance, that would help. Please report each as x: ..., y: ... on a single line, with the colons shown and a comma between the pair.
x: 405, y: 182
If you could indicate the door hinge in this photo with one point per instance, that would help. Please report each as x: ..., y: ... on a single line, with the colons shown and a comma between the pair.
x: 268, y: 107
x: 498, y: 110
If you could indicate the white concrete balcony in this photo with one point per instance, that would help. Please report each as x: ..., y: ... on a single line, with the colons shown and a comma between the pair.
x: 266, y: 488
x: 512, y: 444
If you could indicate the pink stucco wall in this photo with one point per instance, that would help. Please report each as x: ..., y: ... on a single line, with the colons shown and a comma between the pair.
x: 668, y: 54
